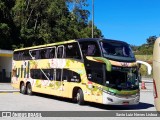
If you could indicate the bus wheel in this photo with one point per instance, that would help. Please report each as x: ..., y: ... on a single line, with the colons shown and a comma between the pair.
x: 29, y: 89
x: 80, y: 97
x: 22, y: 88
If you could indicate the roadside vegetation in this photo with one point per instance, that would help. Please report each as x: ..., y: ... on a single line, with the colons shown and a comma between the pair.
x: 143, y: 69
x: 145, y: 53
x: 25, y: 23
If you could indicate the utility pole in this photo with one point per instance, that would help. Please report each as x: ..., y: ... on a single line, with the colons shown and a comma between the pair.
x: 92, y: 18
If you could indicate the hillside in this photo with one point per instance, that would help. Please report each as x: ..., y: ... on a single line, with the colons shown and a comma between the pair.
x: 146, y: 48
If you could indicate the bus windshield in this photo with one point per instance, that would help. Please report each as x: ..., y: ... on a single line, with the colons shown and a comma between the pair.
x: 122, y: 78
x: 117, y: 50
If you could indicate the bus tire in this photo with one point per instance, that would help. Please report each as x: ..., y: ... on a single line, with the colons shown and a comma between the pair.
x: 29, y: 89
x: 22, y: 88
x: 80, y: 97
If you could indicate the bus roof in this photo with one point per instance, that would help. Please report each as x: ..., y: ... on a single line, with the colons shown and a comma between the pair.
x: 70, y: 41
x: 99, y: 39
x: 45, y: 45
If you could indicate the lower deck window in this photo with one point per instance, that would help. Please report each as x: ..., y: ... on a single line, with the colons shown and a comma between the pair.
x: 55, y: 74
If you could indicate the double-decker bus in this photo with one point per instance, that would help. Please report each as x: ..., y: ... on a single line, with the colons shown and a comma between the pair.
x: 156, y: 71
x: 95, y: 70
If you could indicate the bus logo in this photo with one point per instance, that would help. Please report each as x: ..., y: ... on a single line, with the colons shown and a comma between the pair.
x: 125, y: 64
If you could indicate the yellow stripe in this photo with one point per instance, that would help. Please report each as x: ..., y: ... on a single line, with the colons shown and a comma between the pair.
x: 9, y: 92
x: 6, y: 55
x: 16, y: 92
x: 3, y: 92
x: 46, y: 45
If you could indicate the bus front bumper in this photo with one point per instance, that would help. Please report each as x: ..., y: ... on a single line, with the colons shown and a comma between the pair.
x: 120, y: 100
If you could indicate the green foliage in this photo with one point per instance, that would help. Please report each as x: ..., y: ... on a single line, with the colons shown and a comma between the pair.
x: 151, y: 40
x: 8, y: 31
x: 143, y: 69
x: 33, y: 22
x: 144, y: 57
x: 145, y: 49
x: 4, y: 28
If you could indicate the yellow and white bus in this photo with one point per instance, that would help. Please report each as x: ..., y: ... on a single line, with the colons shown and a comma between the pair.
x: 156, y: 75
x: 95, y: 70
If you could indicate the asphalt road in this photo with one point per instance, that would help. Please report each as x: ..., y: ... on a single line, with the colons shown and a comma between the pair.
x: 39, y: 102
x: 14, y: 101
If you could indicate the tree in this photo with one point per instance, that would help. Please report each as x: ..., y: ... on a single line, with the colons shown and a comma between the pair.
x: 87, y: 32
x: 79, y: 19
x: 32, y: 22
x: 145, y: 48
x: 8, y: 30
x: 31, y: 17
x: 151, y: 40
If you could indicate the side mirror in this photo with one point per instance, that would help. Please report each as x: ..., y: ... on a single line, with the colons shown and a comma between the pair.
x: 149, y: 68
x: 139, y: 65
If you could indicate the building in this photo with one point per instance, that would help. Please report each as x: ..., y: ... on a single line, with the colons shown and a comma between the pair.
x: 5, y: 65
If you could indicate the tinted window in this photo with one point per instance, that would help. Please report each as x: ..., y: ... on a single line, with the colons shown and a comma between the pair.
x: 35, y: 54
x: 51, y: 53
x: 21, y: 55
x: 15, y: 55
x: 45, y: 75
x: 72, y: 51
x: 116, y: 48
x: 68, y: 75
x: 26, y: 55
x: 90, y: 48
x: 43, y: 54
x: 60, y: 52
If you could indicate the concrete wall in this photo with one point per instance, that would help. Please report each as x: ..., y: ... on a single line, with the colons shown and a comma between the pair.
x: 6, y: 63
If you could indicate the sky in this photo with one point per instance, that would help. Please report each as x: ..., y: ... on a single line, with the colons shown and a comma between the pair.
x: 132, y: 21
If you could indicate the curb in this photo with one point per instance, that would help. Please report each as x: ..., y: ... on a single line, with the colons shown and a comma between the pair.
x: 148, y: 81
x: 8, y: 91
x: 146, y: 90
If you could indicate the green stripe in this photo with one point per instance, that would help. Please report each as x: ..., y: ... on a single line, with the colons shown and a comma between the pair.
x: 106, y: 61
x: 122, y: 92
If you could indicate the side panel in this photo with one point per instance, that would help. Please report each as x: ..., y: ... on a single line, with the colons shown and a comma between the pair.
x: 95, y: 72
x: 156, y: 72
x: 156, y: 77
x: 156, y: 50
x: 20, y: 71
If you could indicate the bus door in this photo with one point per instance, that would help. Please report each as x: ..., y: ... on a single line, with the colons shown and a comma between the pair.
x: 95, y: 70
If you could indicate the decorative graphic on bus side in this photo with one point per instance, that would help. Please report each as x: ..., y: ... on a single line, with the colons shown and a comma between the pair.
x: 23, y: 71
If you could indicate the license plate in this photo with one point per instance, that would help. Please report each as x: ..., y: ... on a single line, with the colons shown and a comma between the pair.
x: 125, y: 103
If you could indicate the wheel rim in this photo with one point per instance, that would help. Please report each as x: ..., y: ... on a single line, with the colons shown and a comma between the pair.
x: 22, y: 88
x: 78, y: 97
x: 29, y: 89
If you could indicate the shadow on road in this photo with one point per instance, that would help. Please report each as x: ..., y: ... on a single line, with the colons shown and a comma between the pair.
x: 140, y: 106
x: 119, y: 107
x: 53, y: 97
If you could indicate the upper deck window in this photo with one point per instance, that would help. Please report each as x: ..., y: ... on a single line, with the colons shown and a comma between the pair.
x: 117, y: 50
x: 72, y: 51
x: 90, y: 48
